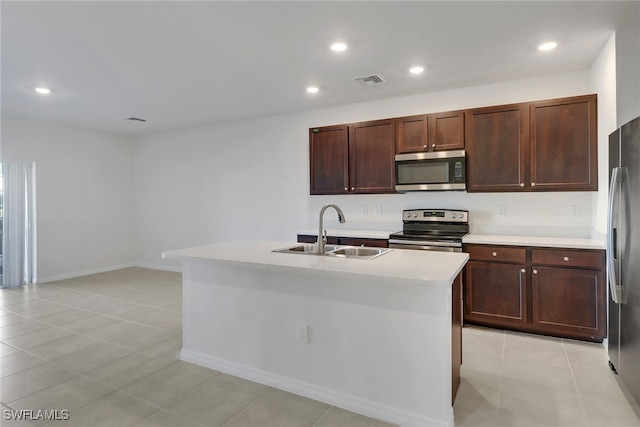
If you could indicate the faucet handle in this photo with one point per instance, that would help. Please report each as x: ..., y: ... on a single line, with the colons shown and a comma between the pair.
x: 324, y: 237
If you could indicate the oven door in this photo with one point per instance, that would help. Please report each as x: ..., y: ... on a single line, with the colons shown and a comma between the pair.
x: 426, y: 245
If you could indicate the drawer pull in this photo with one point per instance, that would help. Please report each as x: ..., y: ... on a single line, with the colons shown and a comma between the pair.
x: 495, y: 254
x: 566, y: 258
x: 535, y: 271
x: 523, y: 271
x: 522, y: 184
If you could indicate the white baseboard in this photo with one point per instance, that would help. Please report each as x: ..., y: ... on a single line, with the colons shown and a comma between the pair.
x: 81, y: 273
x: 312, y: 391
x: 173, y: 268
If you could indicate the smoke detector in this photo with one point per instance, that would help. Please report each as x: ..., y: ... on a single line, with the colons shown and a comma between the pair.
x: 370, y: 80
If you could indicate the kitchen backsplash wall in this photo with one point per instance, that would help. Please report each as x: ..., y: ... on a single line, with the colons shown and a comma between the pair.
x: 539, y: 214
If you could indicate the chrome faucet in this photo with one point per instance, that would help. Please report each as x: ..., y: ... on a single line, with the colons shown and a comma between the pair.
x: 322, y: 234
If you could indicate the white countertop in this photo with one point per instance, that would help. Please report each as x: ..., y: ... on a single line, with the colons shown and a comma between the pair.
x: 401, y: 266
x: 488, y: 239
x: 343, y: 232
x: 550, y: 242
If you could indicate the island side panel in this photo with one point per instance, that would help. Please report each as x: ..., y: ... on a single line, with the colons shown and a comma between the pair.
x: 375, y: 347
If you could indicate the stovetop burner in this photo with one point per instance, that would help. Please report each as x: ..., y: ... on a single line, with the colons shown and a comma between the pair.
x: 431, y: 229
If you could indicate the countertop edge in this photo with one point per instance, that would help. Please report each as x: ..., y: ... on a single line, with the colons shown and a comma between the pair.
x: 387, y: 268
x: 538, y: 241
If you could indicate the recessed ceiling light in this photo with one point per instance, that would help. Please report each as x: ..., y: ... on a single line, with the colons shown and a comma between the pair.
x: 548, y: 46
x: 312, y: 89
x: 43, y: 90
x: 338, y: 47
x: 416, y: 69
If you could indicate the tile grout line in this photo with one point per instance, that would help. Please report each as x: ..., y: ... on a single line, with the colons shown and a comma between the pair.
x: 504, y: 350
x: 575, y: 384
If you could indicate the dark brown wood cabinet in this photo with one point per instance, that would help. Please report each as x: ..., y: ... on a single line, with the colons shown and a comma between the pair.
x: 546, y: 145
x: 551, y: 291
x: 329, y: 160
x: 349, y: 241
x: 538, y: 146
x: 354, y: 158
x: 495, y: 286
x: 563, y: 144
x: 430, y: 132
x: 456, y: 334
x: 569, y: 292
x: 497, y: 148
x: 372, y: 157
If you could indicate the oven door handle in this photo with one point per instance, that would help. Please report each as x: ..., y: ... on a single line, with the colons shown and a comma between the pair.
x: 423, y: 243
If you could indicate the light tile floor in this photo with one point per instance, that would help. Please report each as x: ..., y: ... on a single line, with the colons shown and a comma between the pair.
x: 512, y: 379
x: 106, y: 348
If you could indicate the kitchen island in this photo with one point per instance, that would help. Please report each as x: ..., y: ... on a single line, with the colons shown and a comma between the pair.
x: 371, y: 336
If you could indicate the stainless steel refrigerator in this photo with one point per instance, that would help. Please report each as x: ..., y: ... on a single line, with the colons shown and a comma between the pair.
x: 623, y: 255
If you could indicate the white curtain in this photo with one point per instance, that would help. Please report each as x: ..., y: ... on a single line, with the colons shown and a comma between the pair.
x: 18, y: 236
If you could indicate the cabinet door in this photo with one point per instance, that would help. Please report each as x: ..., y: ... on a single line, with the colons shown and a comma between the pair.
x: 329, y: 160
x: 372, y: 157
x: 412, y: 134
x: 495, y: 293
x: 446, y: 131
x: 564, y: 144
x: 569, y: 301
x: 496, y: 140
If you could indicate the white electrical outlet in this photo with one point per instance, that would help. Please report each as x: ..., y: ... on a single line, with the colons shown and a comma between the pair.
x: 302, y: 333
x: 378, y: 210
x: 501, y: 211
x: 575, y: 211
x: 363, y: 210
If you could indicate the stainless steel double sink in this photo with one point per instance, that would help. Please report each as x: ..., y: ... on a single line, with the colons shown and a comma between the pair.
x: 357, y: 252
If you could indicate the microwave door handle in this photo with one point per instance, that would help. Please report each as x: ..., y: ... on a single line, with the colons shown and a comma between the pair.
x: 615, y: 289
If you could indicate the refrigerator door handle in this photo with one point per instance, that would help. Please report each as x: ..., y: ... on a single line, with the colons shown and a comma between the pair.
x: 615, y: 288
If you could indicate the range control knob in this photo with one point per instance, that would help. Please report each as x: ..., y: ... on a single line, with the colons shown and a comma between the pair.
x: 415, y: 214
x: 408, y: 214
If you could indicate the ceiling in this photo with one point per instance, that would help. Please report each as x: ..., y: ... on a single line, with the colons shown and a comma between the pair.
x: 184, y: 63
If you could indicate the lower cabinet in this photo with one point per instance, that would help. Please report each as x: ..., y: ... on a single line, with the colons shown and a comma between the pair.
x: 551, y: 291
x: 350, y: 241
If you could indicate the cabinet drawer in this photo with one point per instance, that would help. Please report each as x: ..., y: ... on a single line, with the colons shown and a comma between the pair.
x: 568, y: 258
x: 496, y: 253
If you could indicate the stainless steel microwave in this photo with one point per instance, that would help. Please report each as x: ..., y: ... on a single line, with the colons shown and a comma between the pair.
x: 432, y: 171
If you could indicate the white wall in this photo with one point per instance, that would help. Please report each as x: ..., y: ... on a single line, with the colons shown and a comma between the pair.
x: 603, y: 78
x: 249, y: 179
x: 83, y: 196
x: 628, y: 73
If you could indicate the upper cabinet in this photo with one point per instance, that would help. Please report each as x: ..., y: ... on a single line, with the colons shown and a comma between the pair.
x: 372, y: 157
x: 430, y: 132
x: 497, y: 148
x: 538, y: 146
x: 352, y: 159
x: 329, y: 153
x: 546, y: 145
x: 563, y: 145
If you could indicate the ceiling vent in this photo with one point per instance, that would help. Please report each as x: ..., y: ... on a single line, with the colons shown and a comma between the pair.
x: 373, y: 79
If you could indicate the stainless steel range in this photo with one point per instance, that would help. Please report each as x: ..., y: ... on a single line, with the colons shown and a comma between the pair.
x: 431, y: 230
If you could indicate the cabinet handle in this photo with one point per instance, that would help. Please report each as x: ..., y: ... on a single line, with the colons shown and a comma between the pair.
x: 533, y: 184
x: 353, y: 188
x: 425, y: 146
x: 495, y: 254
x: 433, y: 145
x: 566, y: 258
x: 522, y: 184
x: 523, y: 271
x: 535, y: 271
x: 346, y: 189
